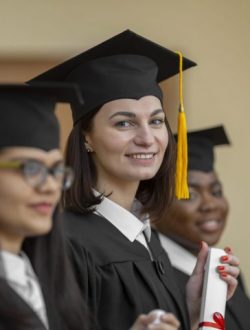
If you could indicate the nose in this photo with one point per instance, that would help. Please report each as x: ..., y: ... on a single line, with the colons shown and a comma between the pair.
x: 208, y: 202
x: 50, y: 185
x: 144, y: 136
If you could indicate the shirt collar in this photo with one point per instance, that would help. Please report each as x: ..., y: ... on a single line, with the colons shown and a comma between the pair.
x: 17, y: 267
x: 128, y: 223
x: 179, y: 257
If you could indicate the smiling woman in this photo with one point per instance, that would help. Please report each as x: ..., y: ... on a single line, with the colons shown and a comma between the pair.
x: 32, y: 214
x: 123, y: 154
x: 32, y: 175
x: 127, y: 147
x: 202, y: 218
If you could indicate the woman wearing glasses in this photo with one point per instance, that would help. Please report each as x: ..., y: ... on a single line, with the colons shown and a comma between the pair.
x: 37, y: 290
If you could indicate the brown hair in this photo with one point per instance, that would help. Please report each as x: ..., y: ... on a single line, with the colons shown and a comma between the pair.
x: 155, y: 194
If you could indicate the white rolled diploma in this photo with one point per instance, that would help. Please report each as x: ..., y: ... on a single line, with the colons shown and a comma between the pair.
x: 214, y: 292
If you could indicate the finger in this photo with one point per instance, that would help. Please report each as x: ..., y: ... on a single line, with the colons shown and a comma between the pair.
x: 170, y: 319
x: 232, y: 285
x: 140, y: 323
x: 230, y: 259
x: 201, y: 259
x: 230, y: 270
x: 228, y: 250
x: 162, y: 326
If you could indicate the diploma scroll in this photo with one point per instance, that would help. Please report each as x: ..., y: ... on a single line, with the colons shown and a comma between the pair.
x: 214, y: 294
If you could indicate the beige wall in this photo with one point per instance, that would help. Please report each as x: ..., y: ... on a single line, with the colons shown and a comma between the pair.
x: 215, y: 33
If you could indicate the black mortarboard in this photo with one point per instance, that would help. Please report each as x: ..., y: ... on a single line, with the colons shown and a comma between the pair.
x: 201, y: 145
x: 27, y: 115
x: 125, y: 66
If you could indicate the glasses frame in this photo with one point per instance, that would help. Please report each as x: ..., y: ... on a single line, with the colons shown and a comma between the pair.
x: 67, y: 178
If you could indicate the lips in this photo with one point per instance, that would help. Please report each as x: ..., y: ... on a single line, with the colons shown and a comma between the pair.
x: 43, y: 208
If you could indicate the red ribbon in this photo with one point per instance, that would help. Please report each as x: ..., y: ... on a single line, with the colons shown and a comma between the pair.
x: 219, y: 322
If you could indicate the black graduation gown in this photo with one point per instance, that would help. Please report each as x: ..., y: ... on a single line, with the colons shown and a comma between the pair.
x: 15, y: 313
x: 117, y: 278
x: 237, y: 309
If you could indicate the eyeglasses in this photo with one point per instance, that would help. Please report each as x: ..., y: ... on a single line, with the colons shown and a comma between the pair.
x: 36, y: 173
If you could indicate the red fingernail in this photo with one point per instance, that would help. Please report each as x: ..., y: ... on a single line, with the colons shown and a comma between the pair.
x: 228, y: 249
x: 220, y: 268
x: 224, y: 258
x: 223, y: 274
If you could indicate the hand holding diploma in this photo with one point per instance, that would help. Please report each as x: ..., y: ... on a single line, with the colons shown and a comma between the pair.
x: 156, y: 320
x: 225, y: 269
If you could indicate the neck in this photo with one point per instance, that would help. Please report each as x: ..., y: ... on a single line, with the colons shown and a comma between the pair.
x: 10, y: 243
x: 123, y: 195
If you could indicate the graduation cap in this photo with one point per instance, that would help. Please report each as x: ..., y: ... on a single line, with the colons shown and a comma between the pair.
x: 201, y: 145
x: 27, y: 117
x: 125, y: 66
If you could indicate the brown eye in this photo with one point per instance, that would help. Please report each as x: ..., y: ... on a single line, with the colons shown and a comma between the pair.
x: 123, y: 124
x: 217, y: 192
x: 157, y: 121
x: 193, y: 195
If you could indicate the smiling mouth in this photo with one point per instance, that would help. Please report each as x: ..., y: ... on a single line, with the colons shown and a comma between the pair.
x: 142, y: 156
x: 210, y: 225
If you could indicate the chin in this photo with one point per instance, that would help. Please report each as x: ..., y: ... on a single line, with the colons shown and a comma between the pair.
x: 211, y: 241
x: 145, y: 174
x: 41, y: 227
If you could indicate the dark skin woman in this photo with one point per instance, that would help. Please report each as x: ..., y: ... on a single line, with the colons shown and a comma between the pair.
x: 202, y: 218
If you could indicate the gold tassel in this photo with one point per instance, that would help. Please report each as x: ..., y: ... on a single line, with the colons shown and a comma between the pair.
x: 181, y: 184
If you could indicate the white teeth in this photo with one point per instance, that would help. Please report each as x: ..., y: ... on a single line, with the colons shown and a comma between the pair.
x: 142, y: 156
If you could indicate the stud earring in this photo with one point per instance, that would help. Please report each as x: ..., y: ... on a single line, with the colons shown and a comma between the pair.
x: 88, y: 147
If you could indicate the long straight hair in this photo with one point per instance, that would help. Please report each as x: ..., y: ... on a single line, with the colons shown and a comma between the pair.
x: 155, y: 194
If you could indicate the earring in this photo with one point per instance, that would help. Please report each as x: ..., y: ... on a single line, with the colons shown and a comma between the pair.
x: 88, y: 147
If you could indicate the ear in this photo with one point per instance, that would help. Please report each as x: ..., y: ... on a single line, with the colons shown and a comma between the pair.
x: 88, y: 147
x: 87, y: 144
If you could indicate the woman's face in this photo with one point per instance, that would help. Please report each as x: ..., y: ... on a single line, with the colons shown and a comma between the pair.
x: 203, y: 216
x: 128, y: 138
x: 24, y: 210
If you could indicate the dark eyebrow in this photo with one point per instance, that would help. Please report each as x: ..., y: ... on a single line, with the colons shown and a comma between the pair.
x: 197, y: 185
x: 156, y: 112
x: 132, y: 115
x: 193, y: 185
x: 123, y: 113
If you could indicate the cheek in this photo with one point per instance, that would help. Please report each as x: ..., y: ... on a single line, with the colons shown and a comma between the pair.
x: 186, y: 214
x: 13, y: 194
x: 111, y: 143
x: 224, y: 207
x: 163, y: 139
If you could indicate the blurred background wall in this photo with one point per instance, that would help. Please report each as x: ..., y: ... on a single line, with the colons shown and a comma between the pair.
x: 35, y: 35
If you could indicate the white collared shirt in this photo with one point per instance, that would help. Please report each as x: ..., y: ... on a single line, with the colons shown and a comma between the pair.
x: 21, y: 277
x: 128, y: 223
x: 180, y: 258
